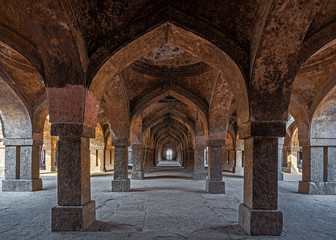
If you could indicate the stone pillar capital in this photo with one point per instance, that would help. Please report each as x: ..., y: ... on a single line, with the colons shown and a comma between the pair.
x: 120, y: 142
x: 137, y: 146
x: 81, y: 105
x: 72, y: 130
x: 216, y: 143
x: 22, y: 142
x: 322, y: 142
x: 200, y: 146
x: 273, y: 129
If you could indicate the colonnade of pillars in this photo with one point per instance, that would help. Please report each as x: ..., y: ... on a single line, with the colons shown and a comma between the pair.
x: 258, y: 214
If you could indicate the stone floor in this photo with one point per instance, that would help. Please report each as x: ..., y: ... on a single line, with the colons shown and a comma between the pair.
x: 166, y: 205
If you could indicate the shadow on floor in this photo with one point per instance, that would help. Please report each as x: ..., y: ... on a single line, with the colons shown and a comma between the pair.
x: 231, y: 175
x: 226, y: 232
x: 102, y: 175
x: 167, y: 176
x: 151, y: 189
x: 100, y: 226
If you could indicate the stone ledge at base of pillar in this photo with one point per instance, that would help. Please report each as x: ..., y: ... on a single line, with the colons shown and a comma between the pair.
x: 121, y: 185
x: 317, y: 188
x: 260, y: 222
x: 280, y: 176
x: 199, y: 175
x: 239, y: 171
x: 215, y: 187
x: 73, y: 218
x: 21, y: 185
x: 137, y: 175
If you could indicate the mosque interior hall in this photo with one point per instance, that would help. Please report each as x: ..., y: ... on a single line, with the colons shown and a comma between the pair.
x: 146, y: 119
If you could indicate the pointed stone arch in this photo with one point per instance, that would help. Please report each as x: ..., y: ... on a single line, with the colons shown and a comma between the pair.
x: 187, y: 41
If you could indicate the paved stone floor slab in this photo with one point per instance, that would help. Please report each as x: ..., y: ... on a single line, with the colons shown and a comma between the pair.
x: 165, y: 205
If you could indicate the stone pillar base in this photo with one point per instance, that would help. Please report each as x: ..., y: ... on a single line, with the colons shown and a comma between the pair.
x: 121, y: 185
x: 73, y: 218
x: 260, y: 222
x: 137, y: 175
x: 239, y: 171
x: 317, y: 188
x: 21, y: 185
x: 199, y: 175
x: 215, y: 187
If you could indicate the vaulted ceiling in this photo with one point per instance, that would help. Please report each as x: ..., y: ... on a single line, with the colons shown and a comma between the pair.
x: 177, y: 65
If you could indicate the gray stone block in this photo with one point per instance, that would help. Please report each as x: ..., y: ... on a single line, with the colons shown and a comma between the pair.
x: 260, y: 222
x: 137, y: 175
x: 199, y: 175
x: 121, y: 185
x: 73, y: 218
x: 215, y: 187
x: 21, y: 185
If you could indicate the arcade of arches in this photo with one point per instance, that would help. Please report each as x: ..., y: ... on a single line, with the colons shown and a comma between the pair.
x: 247, y: 87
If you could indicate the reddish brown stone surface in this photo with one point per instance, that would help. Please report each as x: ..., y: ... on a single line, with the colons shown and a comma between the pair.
x: 174, y: 75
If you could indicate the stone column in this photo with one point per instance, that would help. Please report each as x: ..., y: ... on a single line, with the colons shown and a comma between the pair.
x: 232, y: 160
x: 158, y: 156
x: 50, y: 154
x: 137, y: 155
x: 215, y: 184
x: 199, y: 171
x: 280, y: 158
x: 153, y: 157
x: 225, y: 159
x: 22, y: 165
x: 292, y: 160
x: 53, y: 151
x: 185, y: 158
x: 238, y: 169
x: 148, y: 158
x: 145, y: 160
x: 259, y: 214
x: 75, y: 210
x: 120, y: 182
x: 103, y: 162
x: 190, y: 167
x: 319, y: 167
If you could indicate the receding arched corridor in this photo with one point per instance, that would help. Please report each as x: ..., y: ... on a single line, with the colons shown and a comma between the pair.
x: 167, y: 119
